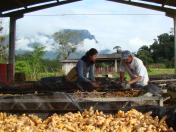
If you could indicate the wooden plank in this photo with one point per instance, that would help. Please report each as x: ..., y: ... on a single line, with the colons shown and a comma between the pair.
x: 61, y: 97
x: 34, y: 100
x: 164, y: 80
x: 119, y: 99
x: 57, y: 100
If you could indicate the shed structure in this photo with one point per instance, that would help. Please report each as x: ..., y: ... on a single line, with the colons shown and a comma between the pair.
x: 15, y: 9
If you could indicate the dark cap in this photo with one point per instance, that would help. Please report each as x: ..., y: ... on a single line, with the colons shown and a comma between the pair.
x: 126, y: 54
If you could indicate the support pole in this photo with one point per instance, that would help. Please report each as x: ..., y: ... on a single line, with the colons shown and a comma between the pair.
x: 175, y: 42
x: 115, y: 65
x: 12, y: 36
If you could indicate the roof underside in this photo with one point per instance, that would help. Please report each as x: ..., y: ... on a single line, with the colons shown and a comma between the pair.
x: 20, y: 7
x: 163, y: 2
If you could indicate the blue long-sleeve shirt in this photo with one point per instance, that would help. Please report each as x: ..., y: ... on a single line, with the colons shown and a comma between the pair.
x: 85, y: 71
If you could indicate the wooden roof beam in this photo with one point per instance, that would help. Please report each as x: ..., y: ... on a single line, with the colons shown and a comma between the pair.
x: 36, y: 8
x: 20, y: 3
x: 144, y: 5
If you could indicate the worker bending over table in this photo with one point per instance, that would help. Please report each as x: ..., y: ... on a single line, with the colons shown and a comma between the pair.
x: 136, y: 70
x: 83, y: 73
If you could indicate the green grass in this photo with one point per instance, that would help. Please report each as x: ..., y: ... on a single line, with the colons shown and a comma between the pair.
x: 160, y: 71
x: 43, y: 75
x: 152, y: 71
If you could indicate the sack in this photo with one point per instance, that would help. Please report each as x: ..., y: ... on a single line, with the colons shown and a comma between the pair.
x: 72, y: 75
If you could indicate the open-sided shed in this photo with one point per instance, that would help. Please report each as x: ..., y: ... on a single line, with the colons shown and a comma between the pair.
x: 15, y: 9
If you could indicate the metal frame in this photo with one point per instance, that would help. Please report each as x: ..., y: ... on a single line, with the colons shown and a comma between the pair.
x: 14, y: 15
x: 60, y: 101
x: 35, y: 8
x: 144, y: 5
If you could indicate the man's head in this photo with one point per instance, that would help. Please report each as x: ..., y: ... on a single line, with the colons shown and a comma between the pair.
x: 92, y: 55
x: 127, y: 56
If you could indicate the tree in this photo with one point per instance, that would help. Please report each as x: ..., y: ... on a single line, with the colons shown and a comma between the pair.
x: 145, y: 55
x: 67, y: 41
x: 52, y: 65
x: 35, y: 60
x: 31, y: 62
x: 162, y: 50
x: 3, y: 48
x: 1, y: 28
x: 22, y: 66
x: 65, y: 46
x: 3, y: 53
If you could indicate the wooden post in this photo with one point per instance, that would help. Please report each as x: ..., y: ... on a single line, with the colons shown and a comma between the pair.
x: 175, y: 42
x: 115, y: 65
x: 12, y: 35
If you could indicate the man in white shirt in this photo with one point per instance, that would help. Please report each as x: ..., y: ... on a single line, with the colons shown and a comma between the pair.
x: 135, y: 68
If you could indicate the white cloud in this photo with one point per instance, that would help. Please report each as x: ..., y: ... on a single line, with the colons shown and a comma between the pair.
x: 135, y: 43
x: 22, y: 44
x: 109, y: 30
x: 87, y: 44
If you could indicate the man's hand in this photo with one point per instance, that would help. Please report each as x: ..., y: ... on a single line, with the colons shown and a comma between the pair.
x: 128, y: 86
x: 125, y: 85
x: 134, y: 80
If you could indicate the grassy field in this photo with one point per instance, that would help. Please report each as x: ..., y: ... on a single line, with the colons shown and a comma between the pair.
x: 160, y: 71
x: 152, y: 71
x: 43, y: 75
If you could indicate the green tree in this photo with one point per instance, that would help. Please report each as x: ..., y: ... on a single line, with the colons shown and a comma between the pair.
x: 51, y: 65
x: 162, y: 50
x: 3, y: 48
x: 35, y: 60
x: 31, y: 62
x: 64, y: 41
x: 145, y: 55
x: 67, y: 41
x: 3, y: 53
x: 22, y: 66
x: 1, y: 28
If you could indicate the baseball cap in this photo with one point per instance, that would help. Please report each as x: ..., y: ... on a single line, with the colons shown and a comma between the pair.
x: 126, y: 54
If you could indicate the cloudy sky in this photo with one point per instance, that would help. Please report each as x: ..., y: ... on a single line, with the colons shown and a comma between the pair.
x: 112, y: 24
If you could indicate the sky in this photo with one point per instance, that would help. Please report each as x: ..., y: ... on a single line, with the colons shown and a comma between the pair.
x: 126, y: 26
